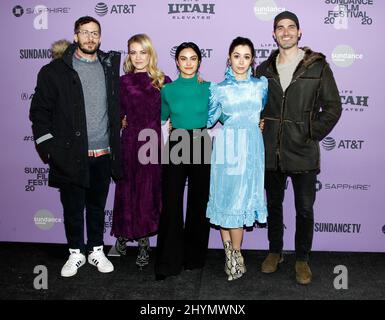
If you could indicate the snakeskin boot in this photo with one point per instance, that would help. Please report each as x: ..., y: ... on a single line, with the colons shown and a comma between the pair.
x: 238, y: 267
x: 143, y: 257
x: 228, y: 248
x: 121, y: 245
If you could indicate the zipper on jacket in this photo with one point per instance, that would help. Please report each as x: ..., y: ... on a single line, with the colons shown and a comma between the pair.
x: 280, y: 130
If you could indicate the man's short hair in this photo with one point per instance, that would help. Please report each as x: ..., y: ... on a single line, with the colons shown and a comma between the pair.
x: 85, y: 20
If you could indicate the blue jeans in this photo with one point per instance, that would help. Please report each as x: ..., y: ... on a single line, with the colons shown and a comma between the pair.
x: 304, y: 195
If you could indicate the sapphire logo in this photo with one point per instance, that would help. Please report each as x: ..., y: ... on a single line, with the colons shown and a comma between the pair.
x: 101, y: 9
x: 341, y: 186
x: 328, y: 143
x: 18, y: 11
x: 346, y: 187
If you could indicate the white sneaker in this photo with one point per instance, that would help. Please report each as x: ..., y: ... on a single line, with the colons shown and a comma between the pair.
x: 98, y: 259
x: 74, y: 262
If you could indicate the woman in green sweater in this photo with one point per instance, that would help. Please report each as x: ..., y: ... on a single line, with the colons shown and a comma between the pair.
x: 187, y: 156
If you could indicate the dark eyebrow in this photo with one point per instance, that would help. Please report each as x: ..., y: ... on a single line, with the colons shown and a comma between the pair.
x: 194, y: 56
x: 88, y: 30
x: 241, y: 54
x: 290, y: 25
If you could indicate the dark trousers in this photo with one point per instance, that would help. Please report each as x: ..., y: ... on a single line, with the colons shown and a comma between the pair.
x: 183, y: 244
x: 75, y: 199
x: 304, y: 195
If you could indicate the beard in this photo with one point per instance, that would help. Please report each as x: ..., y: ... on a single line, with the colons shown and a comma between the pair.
x: 83, y: 48
x: 288, y: 44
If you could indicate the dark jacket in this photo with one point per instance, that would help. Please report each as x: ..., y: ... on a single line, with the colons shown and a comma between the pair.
x: 297, y: 119
x: 58, y: 110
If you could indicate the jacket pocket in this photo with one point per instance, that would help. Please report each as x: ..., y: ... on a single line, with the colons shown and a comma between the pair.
x: 60, y: 157
x: 296, y: 135
x: 307, y: 126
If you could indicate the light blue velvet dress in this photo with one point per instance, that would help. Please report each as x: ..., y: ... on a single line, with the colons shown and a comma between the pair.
x: 238, y: 159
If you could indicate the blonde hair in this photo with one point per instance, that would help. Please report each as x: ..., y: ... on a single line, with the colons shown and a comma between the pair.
x: 155, y: 74
x: 58, y: 48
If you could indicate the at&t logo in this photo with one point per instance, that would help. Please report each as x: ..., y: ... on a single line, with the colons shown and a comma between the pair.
x: 101, y: 9
x: 330, y: 143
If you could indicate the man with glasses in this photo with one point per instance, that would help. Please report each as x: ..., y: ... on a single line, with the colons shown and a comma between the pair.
x: 76, y: 124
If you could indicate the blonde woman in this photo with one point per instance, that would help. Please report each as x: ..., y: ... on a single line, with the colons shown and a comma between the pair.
x: 135, y: 218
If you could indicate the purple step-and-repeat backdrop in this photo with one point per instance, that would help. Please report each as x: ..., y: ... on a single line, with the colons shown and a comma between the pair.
x: 349, y: 214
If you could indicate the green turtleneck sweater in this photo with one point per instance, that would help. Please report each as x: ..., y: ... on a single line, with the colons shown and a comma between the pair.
x: 186, y: 102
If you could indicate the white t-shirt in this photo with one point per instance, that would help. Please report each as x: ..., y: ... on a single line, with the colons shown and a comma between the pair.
x: 286, y: 70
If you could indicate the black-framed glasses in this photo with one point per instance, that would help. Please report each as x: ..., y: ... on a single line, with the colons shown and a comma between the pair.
x: 92, y: 34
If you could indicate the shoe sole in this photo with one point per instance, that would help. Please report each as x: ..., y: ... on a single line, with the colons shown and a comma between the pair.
x: 102, y: 271
x: 106, y: 271
x: 69, y: 275
x: 303, y: 282
x: 72, y: 274
x: 230, y: 279
x: 272, y: 271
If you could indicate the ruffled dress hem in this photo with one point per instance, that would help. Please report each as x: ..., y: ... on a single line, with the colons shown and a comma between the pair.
x: 237, y: 218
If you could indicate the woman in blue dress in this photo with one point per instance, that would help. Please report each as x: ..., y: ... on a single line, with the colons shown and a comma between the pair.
x: 237, y: 164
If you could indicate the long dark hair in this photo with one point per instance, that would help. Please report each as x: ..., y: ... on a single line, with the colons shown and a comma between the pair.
x: 240, y: 41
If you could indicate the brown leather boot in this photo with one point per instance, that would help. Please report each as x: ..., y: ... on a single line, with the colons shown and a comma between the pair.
x: 302, y: 272
x: 270, y: 264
